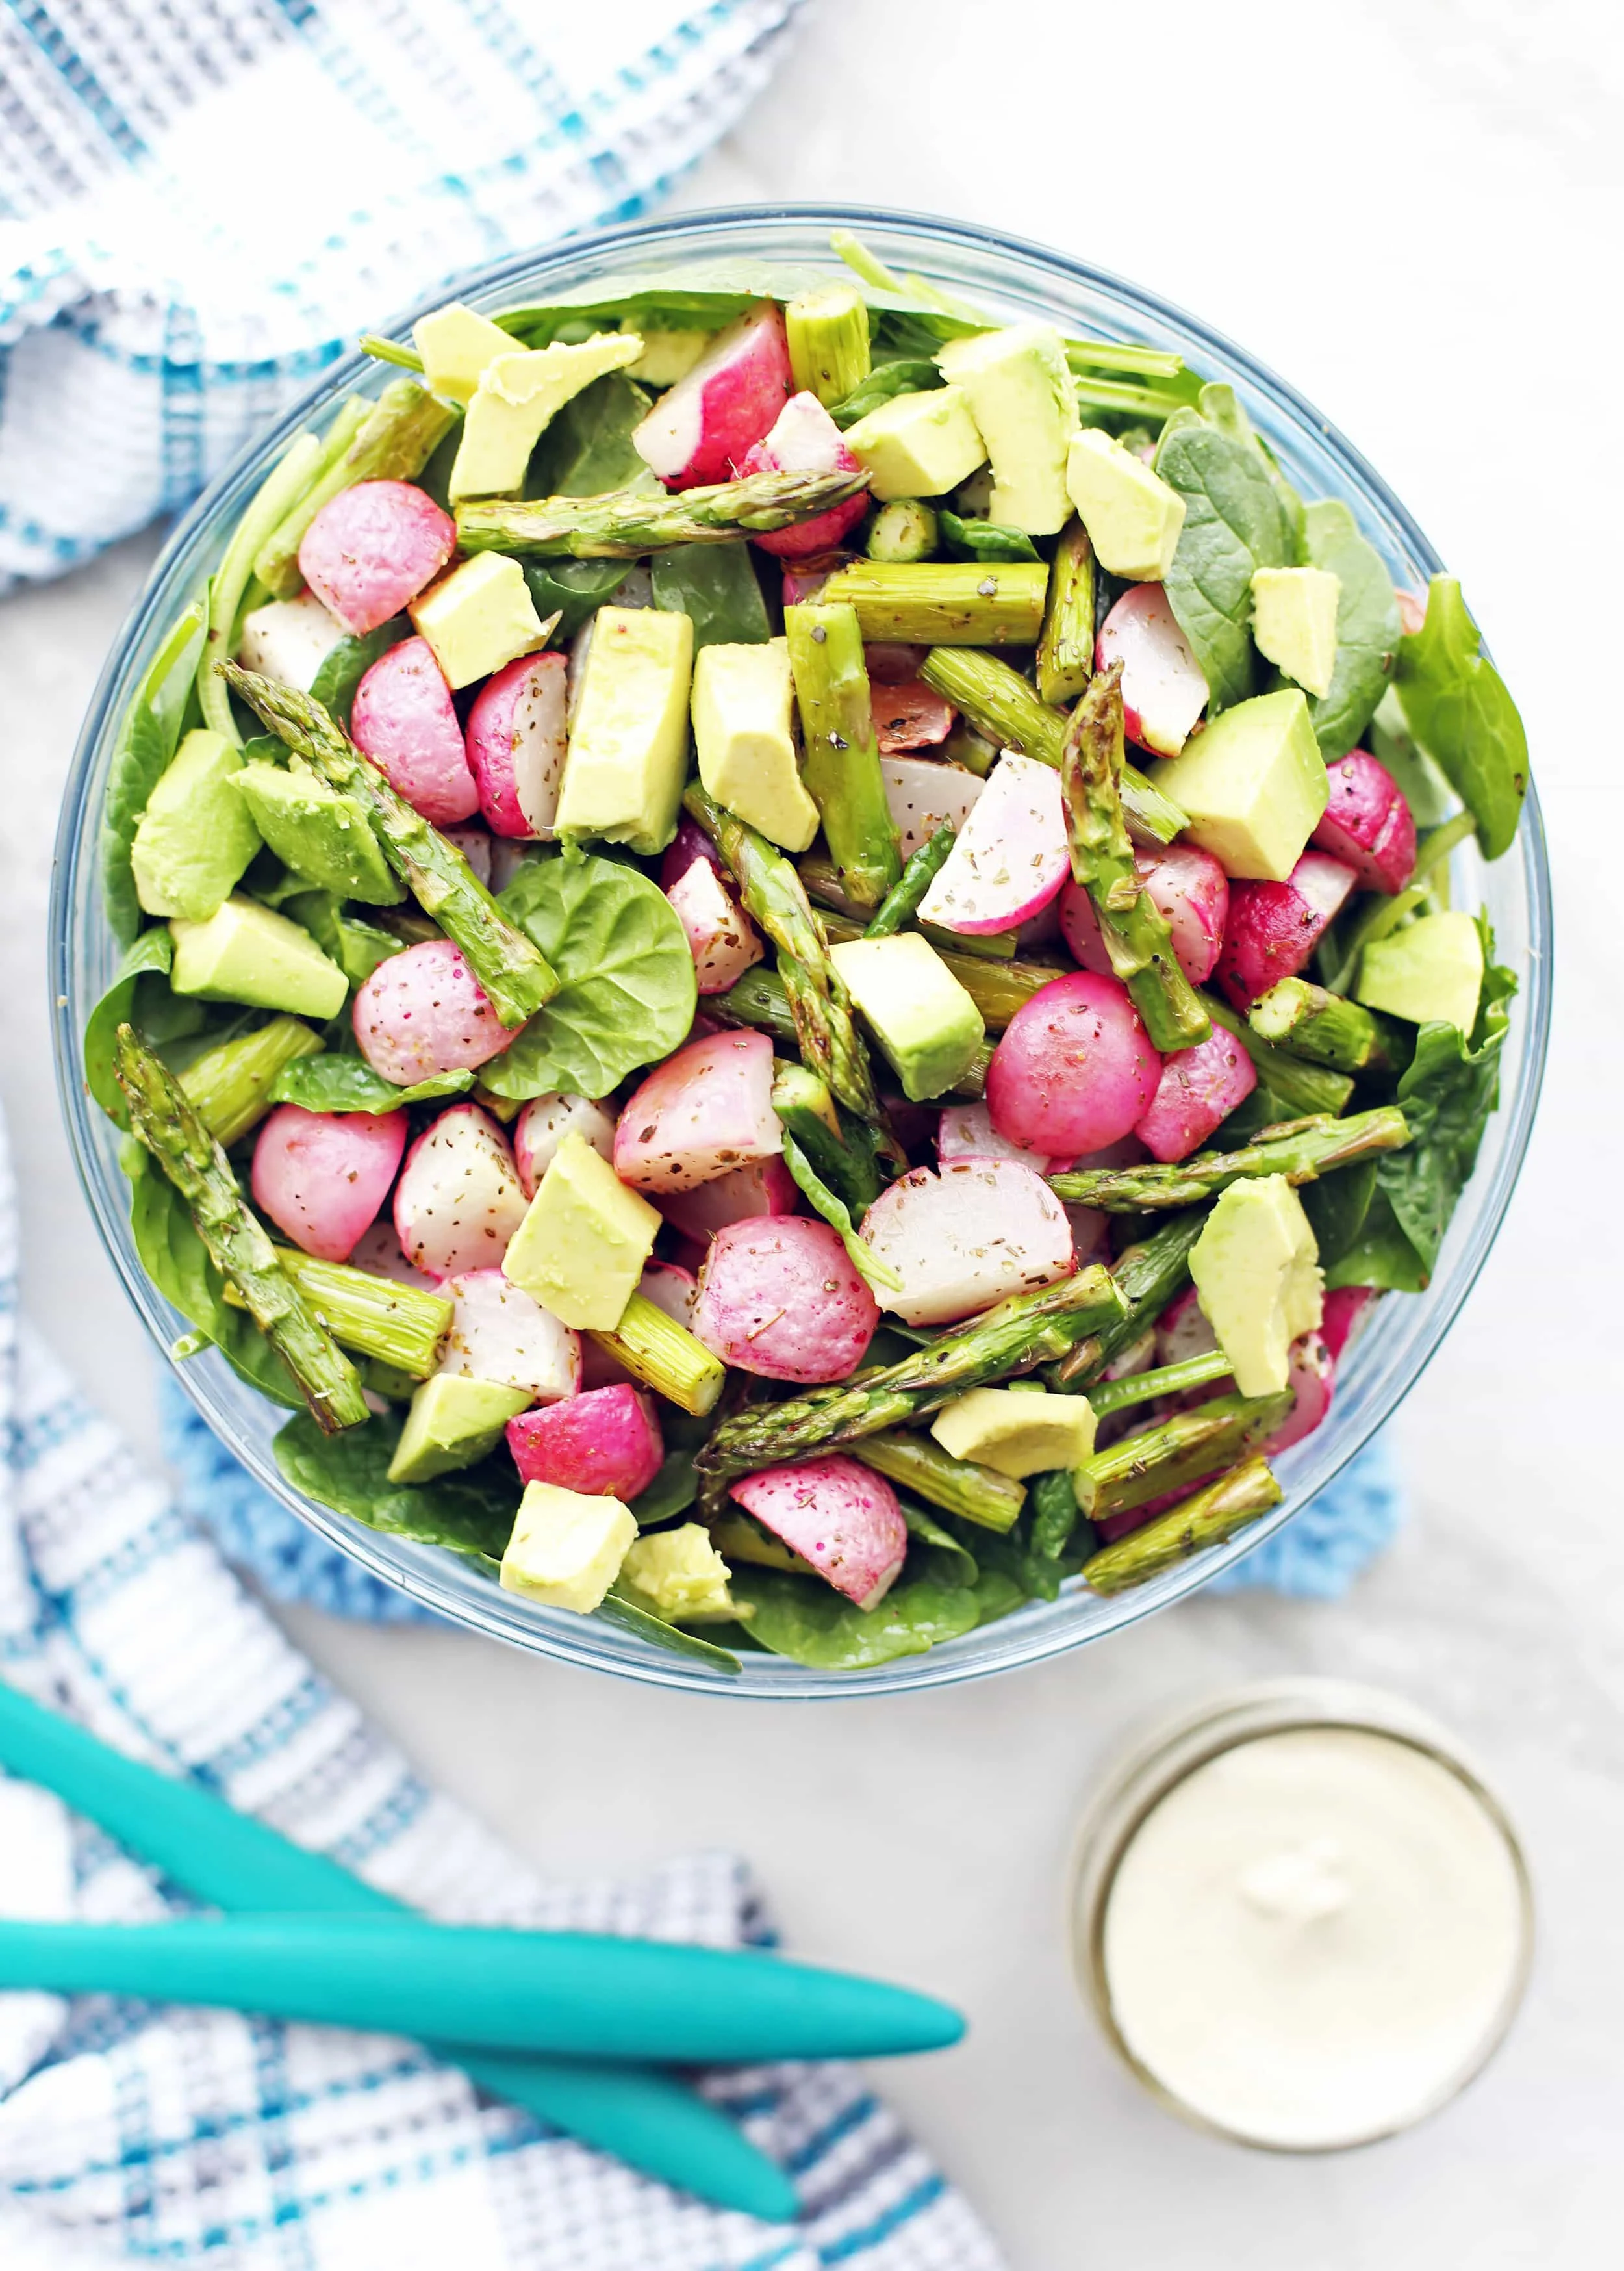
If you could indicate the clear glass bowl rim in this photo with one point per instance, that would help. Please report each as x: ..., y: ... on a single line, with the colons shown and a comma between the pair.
x: 1391, y: 1357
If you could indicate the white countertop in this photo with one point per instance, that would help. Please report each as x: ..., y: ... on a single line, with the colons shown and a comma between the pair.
x: 1411, y: 208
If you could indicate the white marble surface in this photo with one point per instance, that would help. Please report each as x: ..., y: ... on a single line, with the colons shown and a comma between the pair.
x: 1411, y: 208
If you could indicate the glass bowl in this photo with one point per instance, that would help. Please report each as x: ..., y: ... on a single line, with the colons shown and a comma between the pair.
x: 1015, y: 281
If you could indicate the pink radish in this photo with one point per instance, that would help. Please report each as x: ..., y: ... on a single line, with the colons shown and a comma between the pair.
x: 378, y: 1250
x: 458, y: 1200
x: 605, y: 1444
x: 1183, y: 1330
x: 1273, y: 928
x: 965, y: 1131
x: 423, y: 1011
x: 805, y: 439
x: 1348, y: 1310
x: 1198, y: 1088
x: 722, y: 938
x: 805, y: 579
x: 1091, y: 1234
x: 373, y: 548
x: 289, y: 640
x: 1188, y: 889
x: 1368, y: 823
x: 967, y: 1238
x: 474, y: 844
x: 516, y: 744
x: 889, y: 663
x: 1163, y: 691
x: 781, y: 1299
x: 706, y: 1109
x: 746, y: 1194
x: 498, y: 1333
x: 921, y: 796
x: 700, y: 428
x: 542, y: 1127
x: 1010, y: 859
x: 689, y: 844
x: 322, y: 1176
x: 1074, y: 1070
x: 837, y: 1514
x: 909, y: 715
x: 404, y: 720
x: 671, y: 1290
x: 1312, y: 1381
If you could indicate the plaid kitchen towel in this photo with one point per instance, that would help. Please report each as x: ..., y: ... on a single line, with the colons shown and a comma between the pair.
x: 200, y: 206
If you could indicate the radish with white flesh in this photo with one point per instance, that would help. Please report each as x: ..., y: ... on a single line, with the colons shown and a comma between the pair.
x: 781, y: 1300
x: 516, y: 744
x: 805, y: 579
x: 746, y: 1194
x: 922, y: 795
x: 705, y: 1111
x: 373, y: 548
x: 1163, y: 692
x: 907, y: 714
x: 889, y: 663
x: 1368, y: 823
x: 961, y: 1240
x: 722, y: 938
x: 289, y: 640
x: 690, y: 844
x: 605, y: 1444
x: 700, y: 429
x: 1091, y: 1234
x: 1273, y: 928
x: 405, y: 720
x: 805, y: 439
x: 1188, y: 889
x: 458, y: 1200
x: 1074, y: 1069
x: 1198, y: 1088
x: 1312, y: 1381
x: 498, y: 1333
x: 1348, y: 1310
x: 474, y: 844
x: 542, y: 1127
x: 423, y: 1011
x: 1010, y: 857
x: 1182, y: 1331
x: 965, y: 1131
x: 837, y: 1514
x: 378, y: 1249
x: 322, y: 1176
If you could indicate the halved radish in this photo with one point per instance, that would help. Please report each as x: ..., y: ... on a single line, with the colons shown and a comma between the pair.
x: 1348, y: 1310
x: 372, y: 547
x: 700, y: 428
x: 542, y: 1127
x: 289, y: 640
x: 516, y: 744
x: 782, y: 1299
x: 1368, y: 823
x: 1163, y: 691
x: 475, y: 844
x: 498, y: 1333
x: 705, y: 1110
x: 1074, y: 1069
x: 1312, y: 1379
x: 889, y: 663
x: 423, y: 1011
x: 378, y: 1249
x: 961, y: 1240
x: 837, y: 1514
x: 805, y: 439
x: 908, y: 715
x: 1273, y: 928
x: 965, y: 1131
x: 405, y: 720
x: 922, y: 795
x: 1010, y: 859
x: 722, y: 938
x: 458, y: 1200
x: 322, y: 1176
x: 1198, y: 1088
x: 689, y: 844
x: 605, y: 1444
x: 1188, y: 889
x: 760, y: 1187
x: 1183, y: 1330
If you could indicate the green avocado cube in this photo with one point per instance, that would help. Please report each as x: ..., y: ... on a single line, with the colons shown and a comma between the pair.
x: 742, y: 699
x: 923, y: 1018
x: 516, y: 396
x: 1024, y: 400
x: 1431, y: 972
x: 455, y: 345
x: 566, y: 1548
x: 918, y: 446
x: 628, y: 745
x: 1132, y: 516
x: 680, y: 1575
x: 1294, y: 623
x: 478, y: 618
x: 197, y: 835
x: 1256, y: 1265
x: 1253, y: 784
x: 244, y: 953
x: 584, y: 1240
x: 319, y: 833
x: 453, y: 1423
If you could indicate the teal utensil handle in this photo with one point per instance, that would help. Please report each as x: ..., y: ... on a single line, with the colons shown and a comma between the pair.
x: 649, y: 2120
x: 577, y: 1993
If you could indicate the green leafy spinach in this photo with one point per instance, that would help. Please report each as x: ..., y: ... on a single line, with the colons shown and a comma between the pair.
x: 1234, y: 524
x: 470, y: 1512
x: 1458, y: 708
x: 715, y: 586
x: 151, y: 953
x: 339, y: 1082
x: 808, y: 1620
x: 984, y: 540
x: 344, y: 668
x: 177, y: 1262
x: 902, y: 375
x: 151, y: 731
x: 587, y: 446
x: 1368, y: 629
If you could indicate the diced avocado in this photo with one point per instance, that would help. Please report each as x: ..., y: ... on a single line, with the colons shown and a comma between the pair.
x: 518, y: 394
x: 666, y: 356
x: 244, y: 953
x: 1016, y: 1434
x: 628, y: 743
x: 918, y: 446
x: 923, y: 1018
x: 742, y: 698
x: 478, y: 617
x: 582, y: 1246
x: 289, y: 640
x: 1294, y: 623
x: 453, y: 1423
x: 317, y: 832
x: 1253, y: 784
x: 196, y: 836
x: 1431, y: 970
x: 565, y: 1549
x: 1257, y: 1278
x: 455, y: 345
x: 1024, y: 400
x: 681, y: 1575
x: 1132, y: 516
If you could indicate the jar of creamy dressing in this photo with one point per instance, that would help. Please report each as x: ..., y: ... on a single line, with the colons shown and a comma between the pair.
x: 1302, y: 1919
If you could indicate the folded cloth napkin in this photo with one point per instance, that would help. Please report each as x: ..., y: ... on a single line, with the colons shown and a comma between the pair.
x: 188, y: 2137
x: 202, y: 206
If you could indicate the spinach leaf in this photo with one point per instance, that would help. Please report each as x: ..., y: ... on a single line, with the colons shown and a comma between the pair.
x: 1234, y: 524
x: 357, y: 947
x: 177, y: 1262
x: 1222, y: 404
x: 616, y: 1609
x: 1459, y: 711
x: 984, y: 540
x: 343, y: 669
x: 804, y: 1619
x: 1367, y: 627
x: 586, y: 447
x: 902, y: 375
x: 470, y: 1513
x: 946, y: 1558
x: 152, y: 952
x: 152, y: 730
x: 1338, y: 1208
x: 715, y: 585
x: 572, y: 589
x: 335, y: 1083
x: 673, y: 1490
x: 626, y: 994
x: 1032, y: 1571
x: 1381, y: 1255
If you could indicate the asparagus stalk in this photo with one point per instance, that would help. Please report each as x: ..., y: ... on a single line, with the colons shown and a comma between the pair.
x: 1178, y: 1450
x: 1119, y: 397
x: 401, y: 1326
x: 382, y: 350
x: 1065, y: 651
x: 1108, y: 1396
x: 822, y: 880
x: 840, y: 766
x: 1299, y: 1150
x: 388, y: 439
x: 999, y: 703
x: 828, y: 341
x: 1329, y: 1029
x: 903, y: 531
x: 291, y: 476
x: 977, y: 1493
x: 623, y: 523
x: 665, y: 1356
x: 1027, y: 1329
x: 166, y: 1123
x: 512, y: 969
x: 953, y: 603
x: 1133, y: 927
x: 878, y: 1276
x: 229, y: 1085
x: 841, y: 1157
x: 998, y: 988
x: 759, y: 999
x: 1149, y: 1275
x: 1205, y: 1519
x: 1299, y: 1086
x: 901, y: 903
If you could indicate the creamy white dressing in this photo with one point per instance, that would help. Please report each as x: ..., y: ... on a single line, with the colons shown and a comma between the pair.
x: 1313, y: 1938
